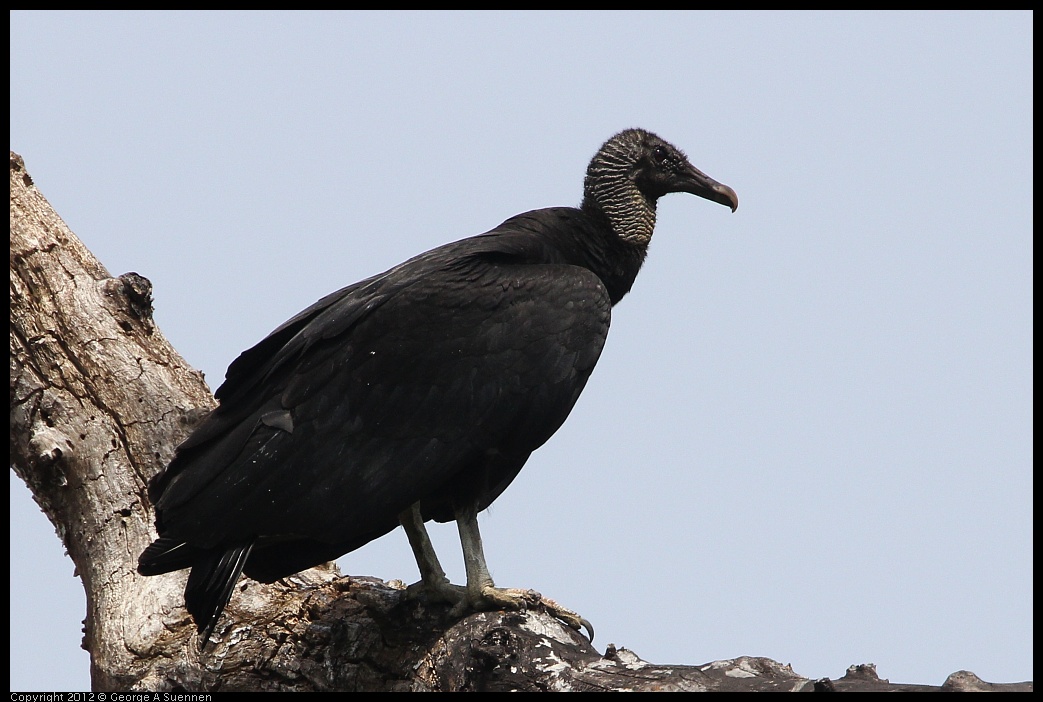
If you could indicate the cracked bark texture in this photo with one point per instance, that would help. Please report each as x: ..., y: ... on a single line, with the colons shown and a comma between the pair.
x: 99, y: 400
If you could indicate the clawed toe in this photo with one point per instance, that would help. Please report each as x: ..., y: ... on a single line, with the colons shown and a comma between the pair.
x: 489, y: 597
x: 568, y: 617
x: 518, y: 599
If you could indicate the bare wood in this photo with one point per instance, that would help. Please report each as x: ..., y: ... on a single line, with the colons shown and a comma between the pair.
x: 99, y: 400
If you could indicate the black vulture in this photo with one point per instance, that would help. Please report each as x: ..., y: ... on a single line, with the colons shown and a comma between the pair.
x: 414, y: 395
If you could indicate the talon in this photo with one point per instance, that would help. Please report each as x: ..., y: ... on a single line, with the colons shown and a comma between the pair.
x: 568, y: 617
x: 589, y: 627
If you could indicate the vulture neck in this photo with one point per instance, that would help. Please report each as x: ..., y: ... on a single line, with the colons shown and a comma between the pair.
x: 609, y: 187
x: 630, y: 214
x: 624, y: 222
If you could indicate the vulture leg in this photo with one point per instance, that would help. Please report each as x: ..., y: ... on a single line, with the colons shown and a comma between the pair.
x: 482, y: 592
x: 433, y: 580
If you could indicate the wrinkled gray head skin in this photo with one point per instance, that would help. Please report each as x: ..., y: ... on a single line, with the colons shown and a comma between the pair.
x: 632, y: 170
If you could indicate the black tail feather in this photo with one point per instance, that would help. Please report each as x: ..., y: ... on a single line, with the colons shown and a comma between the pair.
x: 166, y: 555
x: 210, y: 584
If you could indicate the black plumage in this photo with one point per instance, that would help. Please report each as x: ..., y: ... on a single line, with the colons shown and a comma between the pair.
x: 414, y: 395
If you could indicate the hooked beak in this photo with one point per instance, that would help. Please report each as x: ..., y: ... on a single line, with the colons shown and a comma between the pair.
x: 698, y: 183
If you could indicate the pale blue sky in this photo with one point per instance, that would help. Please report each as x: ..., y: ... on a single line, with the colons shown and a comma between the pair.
x: 810, y: 434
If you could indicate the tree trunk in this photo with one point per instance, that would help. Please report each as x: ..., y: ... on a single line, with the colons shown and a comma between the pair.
x: 99, y: 400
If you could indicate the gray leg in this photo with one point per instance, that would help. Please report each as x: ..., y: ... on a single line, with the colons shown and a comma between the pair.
x: 478, y: 578
x: 481, y: 591
x: 432, y: 577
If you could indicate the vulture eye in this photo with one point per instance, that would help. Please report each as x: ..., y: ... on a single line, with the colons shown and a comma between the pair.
x: 659, y: 154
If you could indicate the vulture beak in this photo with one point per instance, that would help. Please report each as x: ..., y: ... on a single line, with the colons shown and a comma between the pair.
x: 698, y: 183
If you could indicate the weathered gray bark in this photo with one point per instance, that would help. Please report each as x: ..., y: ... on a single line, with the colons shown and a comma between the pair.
x: 99, y: 400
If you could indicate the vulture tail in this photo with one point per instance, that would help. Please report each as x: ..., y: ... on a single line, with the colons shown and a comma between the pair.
x: 210, y: 584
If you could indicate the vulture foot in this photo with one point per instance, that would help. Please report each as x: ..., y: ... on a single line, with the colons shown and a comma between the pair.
x: 490, y: 597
